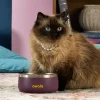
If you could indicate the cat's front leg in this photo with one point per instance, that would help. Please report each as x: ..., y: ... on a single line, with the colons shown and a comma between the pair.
x: 35, y: 68
x: 62, y: 82
x: 71, y: 85
x: 64, y: 76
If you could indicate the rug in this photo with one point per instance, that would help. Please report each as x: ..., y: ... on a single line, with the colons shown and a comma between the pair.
x: 9, y: 91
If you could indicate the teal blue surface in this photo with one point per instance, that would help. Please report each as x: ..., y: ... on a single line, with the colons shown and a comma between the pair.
x: 12, y: 62
x: 6, y: 53
x: 14, y: 65
x: 97, y: 45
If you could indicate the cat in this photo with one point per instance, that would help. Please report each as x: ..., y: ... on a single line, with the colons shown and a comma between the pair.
x: 55, y: 48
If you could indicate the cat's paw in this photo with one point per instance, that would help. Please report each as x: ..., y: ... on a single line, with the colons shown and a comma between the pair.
x: 71, y: 85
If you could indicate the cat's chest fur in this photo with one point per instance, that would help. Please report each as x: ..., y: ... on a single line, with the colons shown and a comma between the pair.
x: 48, y: 60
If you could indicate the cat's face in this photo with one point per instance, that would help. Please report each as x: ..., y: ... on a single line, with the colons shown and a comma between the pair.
x: 50, y: 27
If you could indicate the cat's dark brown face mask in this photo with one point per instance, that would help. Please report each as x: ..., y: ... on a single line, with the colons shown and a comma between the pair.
x: 50, y: 27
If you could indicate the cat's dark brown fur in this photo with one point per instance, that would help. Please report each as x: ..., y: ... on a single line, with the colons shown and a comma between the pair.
x: 75, y: 59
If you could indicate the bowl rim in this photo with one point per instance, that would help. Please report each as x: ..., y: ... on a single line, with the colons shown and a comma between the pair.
x: 33, y: 75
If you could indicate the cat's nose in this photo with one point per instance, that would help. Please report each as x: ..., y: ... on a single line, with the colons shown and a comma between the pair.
x: 53, y: 32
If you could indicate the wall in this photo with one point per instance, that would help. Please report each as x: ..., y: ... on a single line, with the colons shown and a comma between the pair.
x: 23, y: 16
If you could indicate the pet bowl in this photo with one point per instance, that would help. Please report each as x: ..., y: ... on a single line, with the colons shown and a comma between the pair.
x: 38, y: 83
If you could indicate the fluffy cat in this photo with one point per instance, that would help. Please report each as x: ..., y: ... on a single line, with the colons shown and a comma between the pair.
x: 55, y: 48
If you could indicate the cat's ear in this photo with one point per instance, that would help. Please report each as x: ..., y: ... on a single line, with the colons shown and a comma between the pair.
x: 64, y: 15
x: 41, y: 16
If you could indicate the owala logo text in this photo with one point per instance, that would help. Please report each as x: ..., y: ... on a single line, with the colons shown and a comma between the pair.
x: 37, y: 86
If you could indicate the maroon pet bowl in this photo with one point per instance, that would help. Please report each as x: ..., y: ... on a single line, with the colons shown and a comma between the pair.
x: 38, y: 83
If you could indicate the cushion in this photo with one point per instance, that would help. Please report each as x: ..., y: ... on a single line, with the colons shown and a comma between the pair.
x: 6, y: 53
x: 14, y: 65
x: 12, y: 62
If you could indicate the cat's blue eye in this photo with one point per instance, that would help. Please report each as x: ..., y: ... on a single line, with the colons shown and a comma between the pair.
x: 48, y: 29
x: 59, y: 29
